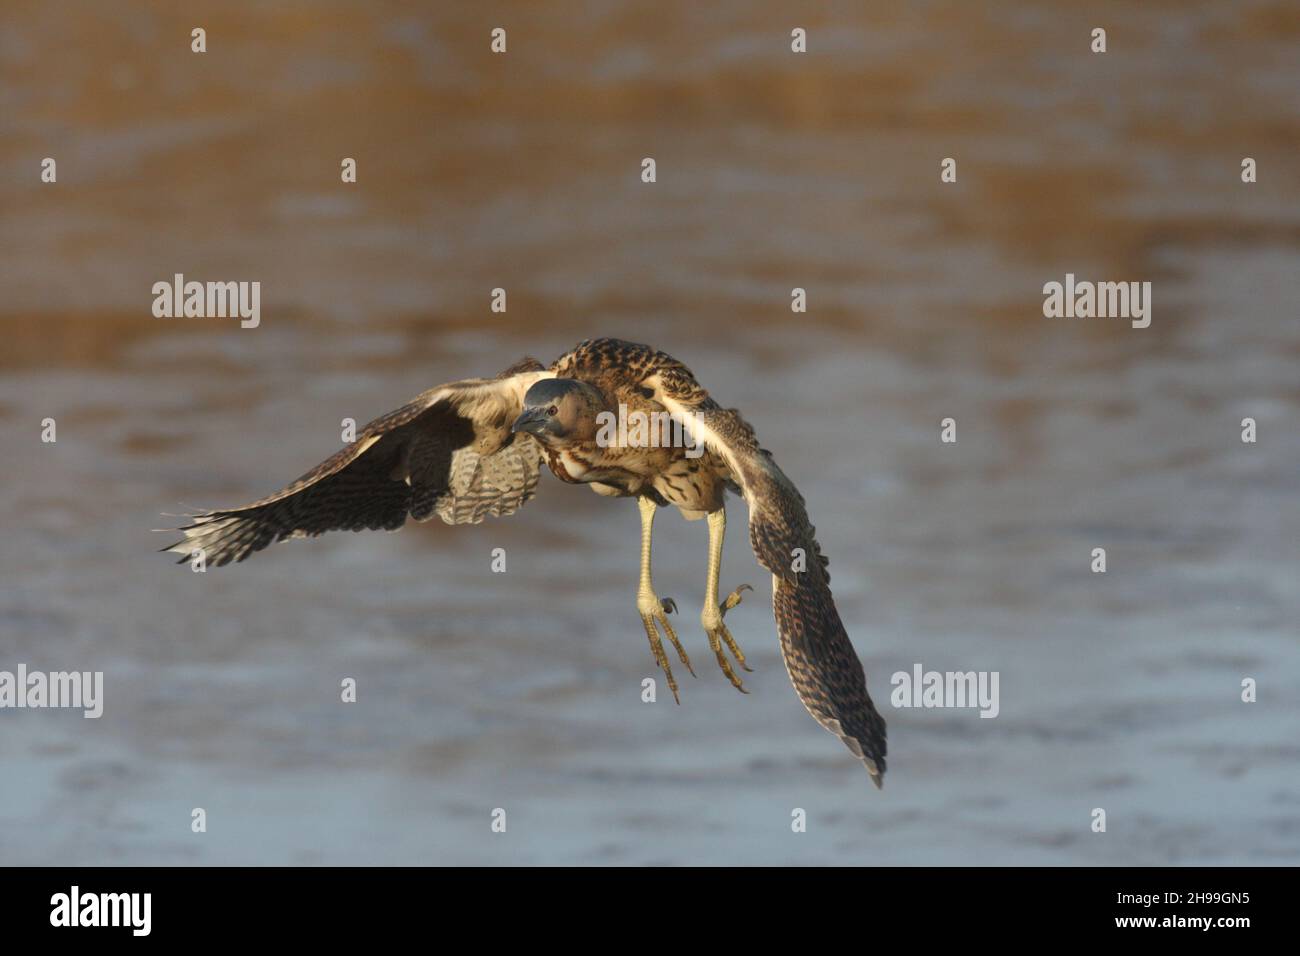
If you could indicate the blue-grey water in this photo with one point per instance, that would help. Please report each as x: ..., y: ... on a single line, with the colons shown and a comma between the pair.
x: 522, y: 690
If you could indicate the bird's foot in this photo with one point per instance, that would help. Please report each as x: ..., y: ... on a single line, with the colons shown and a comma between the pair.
x: 655, y: 611
x: 711, y: 619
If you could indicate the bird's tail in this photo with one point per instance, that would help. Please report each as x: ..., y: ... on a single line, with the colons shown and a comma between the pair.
x: 825, y: 669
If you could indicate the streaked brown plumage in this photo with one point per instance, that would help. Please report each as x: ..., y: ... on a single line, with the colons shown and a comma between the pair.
x: 474, y: 448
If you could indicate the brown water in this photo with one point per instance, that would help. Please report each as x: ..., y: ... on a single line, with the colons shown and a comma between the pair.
x: 522, y: 690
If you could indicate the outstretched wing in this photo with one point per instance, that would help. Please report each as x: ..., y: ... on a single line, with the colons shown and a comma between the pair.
x: 819, y: 657
x: 448, y: 452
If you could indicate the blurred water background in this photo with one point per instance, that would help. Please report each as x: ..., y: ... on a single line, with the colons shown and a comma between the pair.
x: 522, y: 690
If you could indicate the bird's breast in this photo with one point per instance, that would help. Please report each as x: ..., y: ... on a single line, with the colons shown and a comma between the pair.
x: 570, y: 465
x: 584, y: 467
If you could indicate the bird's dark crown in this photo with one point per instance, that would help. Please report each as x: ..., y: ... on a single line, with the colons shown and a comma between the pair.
x: 551, y: 390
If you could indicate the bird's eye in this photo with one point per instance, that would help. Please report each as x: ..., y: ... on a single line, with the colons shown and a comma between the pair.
x: 553, y: 410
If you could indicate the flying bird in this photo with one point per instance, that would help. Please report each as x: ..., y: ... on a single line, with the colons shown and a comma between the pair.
x: 473, y: 448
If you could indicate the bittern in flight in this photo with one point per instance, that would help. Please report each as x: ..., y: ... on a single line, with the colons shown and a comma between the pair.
x: 474, y: 448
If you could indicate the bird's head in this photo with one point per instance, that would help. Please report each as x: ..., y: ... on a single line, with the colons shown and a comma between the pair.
x: 560, y: 410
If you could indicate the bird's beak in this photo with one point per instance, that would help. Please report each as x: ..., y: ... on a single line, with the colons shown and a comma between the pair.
x: 530, y: 421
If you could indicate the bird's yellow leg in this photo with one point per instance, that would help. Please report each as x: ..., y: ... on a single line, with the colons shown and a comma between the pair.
x: 711, y: 616
x: 653, y: 610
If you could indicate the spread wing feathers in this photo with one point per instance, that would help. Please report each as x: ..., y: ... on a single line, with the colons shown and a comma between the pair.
x: 448, y: 452
x: 819, y: 656
x: 480, y: 486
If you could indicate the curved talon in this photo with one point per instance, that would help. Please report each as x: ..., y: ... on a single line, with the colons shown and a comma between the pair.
x: 670, y: 607
x: 657, y: 649
x: 737, y: 653
x: 656, y: 613
x: 726, y: 664
x: 718, y: 635
x: 733, y: 599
